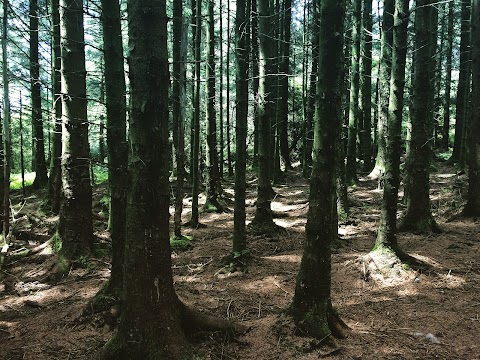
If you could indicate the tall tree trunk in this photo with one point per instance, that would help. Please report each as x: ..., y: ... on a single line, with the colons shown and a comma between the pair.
x: 213, y: 178
x: 448, y: 81
x: 384, y: 86
x: 472, y: 208
x: 55, y: 180
x: 241, y: 35
x: 351, y: 169
x: 41, y: 178
x: 179, y: 58
x: 463, y: 84
x: 418, y: 216
x: 265, y: 107
x: 312, y: 305
x: 255, y: 79
x: 386, y: 234
x: 117, y: 147
x: 7, y: 146
x: 284, y: 84
x: 221, y: 159
x: 367, y: 86
x: 229, y: 152
x: 194, y: 222
x: 75, y: 223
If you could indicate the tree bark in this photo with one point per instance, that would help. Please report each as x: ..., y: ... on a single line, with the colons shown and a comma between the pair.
x: 312, y: 305
x: 418, y: 216
x: 448, y: 81
x: 367, y: 87
x: 472, y: 208
x: 75, y: 223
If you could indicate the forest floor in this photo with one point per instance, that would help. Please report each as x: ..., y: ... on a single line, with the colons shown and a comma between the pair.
x: 431, y: 314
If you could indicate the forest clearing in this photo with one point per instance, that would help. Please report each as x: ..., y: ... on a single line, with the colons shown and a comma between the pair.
x: 40, y: 318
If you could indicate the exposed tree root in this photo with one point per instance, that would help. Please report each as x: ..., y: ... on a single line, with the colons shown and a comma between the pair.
x: 411, y: 223
x: 267, y: 228
x: 376, y: 173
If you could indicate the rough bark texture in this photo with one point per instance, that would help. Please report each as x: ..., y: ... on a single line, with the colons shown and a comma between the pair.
x: 75, y: 224
x: 116, y: 140
x: 418, y: 216
x: 384, y: 85
x: 386, y: 239
x: 6, y: 154
x: 241, y: 34
x: 55, y: 179
x: 463, y: 84
x: 255, y: 79
x: 353, y: 113
x: 367, y: 86
x: 265, y: 104
x: 448, y: 81
x: 150, y: 326
x: 311, y: 306
x: 472, y: 208
x: 41, y: 178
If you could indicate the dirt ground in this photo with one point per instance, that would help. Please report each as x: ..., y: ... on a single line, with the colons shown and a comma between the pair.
x: 431, y: 314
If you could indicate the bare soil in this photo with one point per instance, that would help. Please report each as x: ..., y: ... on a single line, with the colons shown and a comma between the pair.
x: 429, y: 314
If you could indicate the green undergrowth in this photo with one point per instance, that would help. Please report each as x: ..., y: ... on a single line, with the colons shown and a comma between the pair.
x: 16, y: 180
x: 183, y: 242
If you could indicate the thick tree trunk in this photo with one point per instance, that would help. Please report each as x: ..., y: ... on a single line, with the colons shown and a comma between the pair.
x: 472, y: 208
x: 41, y: 178
x: 448, y: 81
x: 75, y: 224
x: 386, y: 238
x: 312, y: 305
x: 367, y: 87
x: 463, y: 84
x: 384, y: 86
x: 241, y: 35
x: 418, y: 216
x: 55, y: 180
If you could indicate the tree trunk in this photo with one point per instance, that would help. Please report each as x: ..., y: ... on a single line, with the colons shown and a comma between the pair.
x: 255, y: 79
x: 194, y: 222
x: 463, y: 85
x: 213, y: 178
x: 75, y: 223
x: 241, y: 35
x: 472, y: 208
x: 418, y: 216
x: 229, y: 152
x: 55, y: 180
x: 351, y: 169
x: 384, y: 85
x: 312, y: 305
x: 448, y: 81
x: 367, y: 87
x: 265, y: 107
x: 41, y: 178
x: 7, y: 147
x: 386, y: 238
x: 179, y: 58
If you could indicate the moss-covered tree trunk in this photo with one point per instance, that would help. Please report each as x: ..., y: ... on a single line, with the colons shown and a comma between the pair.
x: 418, y: 216
x: 312, y: 305
x: 75, y: 224
x: 384, y: 86
x: 213, y: 176
x: 117, y: 144
x: 448, y: 81
x: 472, y: 208
x: 41, y: 178
x: 367, y: 86
x: 463, y: 84
x: 386, y: 238
x: 55, y: 177
x: 194, y: 221
x: 242, y: 33
x: 353, y: 113
x: 265, y: 109
x: 179, y: 59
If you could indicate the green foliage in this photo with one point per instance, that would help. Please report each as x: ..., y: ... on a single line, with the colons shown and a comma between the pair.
x: 100, y: 173
x: 445, y: 155
x: 56, y: 243
x: 85, y: 263
x: 180, y: 242
x: 16, y: 180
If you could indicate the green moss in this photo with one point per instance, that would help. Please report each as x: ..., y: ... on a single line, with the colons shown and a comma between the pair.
x: 100, y: 173
x: 56, y: 242
x: 180, y: 242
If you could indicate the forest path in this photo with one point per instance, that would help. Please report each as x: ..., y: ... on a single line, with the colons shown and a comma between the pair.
x: 37, y: 319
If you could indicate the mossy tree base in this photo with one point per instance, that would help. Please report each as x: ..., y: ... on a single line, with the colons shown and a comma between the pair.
x: 266, y: 228
x: 105, y: 299
x: 416, y: 223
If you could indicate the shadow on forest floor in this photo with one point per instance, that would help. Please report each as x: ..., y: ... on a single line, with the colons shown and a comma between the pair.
x: 388, y: 321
